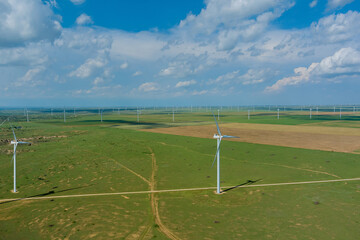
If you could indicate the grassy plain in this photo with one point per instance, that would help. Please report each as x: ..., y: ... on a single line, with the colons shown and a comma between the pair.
x: 85, y: 156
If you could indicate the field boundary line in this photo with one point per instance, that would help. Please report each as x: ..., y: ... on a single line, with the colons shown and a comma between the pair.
x: 177, y: 190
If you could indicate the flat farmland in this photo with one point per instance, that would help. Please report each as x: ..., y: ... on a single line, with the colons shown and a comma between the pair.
x: 310, y: 137
x: 123, y: 179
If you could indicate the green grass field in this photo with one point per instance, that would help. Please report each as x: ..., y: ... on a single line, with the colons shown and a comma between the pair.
x: 85, y: 156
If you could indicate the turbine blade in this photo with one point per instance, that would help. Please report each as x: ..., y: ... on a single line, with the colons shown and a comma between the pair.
x: 218, y: 149
x: 227, y: 136
x: 217, y: 125
x: 24, y: 143
x: 13, y: 133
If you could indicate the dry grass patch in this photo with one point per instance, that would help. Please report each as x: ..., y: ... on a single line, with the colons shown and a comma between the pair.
x: 308, y: 137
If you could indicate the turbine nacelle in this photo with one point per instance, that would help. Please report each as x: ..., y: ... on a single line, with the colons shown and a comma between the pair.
x: 217, y: 136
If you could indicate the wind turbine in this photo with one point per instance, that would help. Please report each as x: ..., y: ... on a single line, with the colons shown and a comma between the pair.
x: 218, y: 137
x: 16, y: 142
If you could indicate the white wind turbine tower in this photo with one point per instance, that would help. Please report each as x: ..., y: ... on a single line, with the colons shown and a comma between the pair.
x: 16, y: 142
x: 217, y: 155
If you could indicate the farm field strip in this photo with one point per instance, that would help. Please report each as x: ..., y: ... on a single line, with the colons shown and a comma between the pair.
x: 307, y: 137
x: 178, y: 190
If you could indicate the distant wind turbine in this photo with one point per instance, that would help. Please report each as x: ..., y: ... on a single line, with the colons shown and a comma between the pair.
x: 16, y: 142
x: 217, y: 155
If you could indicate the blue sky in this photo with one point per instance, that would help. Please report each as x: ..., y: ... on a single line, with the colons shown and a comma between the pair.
x: 160, y: 52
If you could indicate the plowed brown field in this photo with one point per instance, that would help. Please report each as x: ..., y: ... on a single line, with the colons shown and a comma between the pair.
x: 310, y: 137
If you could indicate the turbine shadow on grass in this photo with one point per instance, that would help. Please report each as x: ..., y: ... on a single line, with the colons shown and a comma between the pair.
x: 45, y: 194
x: 242, y: 184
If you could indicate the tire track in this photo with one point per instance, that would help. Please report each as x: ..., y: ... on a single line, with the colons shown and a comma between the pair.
x: 154, y: 200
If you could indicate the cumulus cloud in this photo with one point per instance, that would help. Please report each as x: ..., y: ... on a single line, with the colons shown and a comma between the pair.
x: 313, y: 3
x: 84, y: 19
x: 252, y: 76
x: 148, y: 87
x: 23, y: 56
x: 109, y: 91
x: 78, y: 2
x: 124, y: 65
x: 344, y: 62
x: 24, y: 21
x: 337, y: 28
x: 98, y: 80
x: 185, y: 83
x: 255, y: 76
x: 179, y: 69
x: 202, y: 92
x: 137, y: 73
x: 335, y: 4
x: 231, y: 42
x: 233, y: 20
x: 86, y: 69
x: 143, y: 46
x: 28, y: 78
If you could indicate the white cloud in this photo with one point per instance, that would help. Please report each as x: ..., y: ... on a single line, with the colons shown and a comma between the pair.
x: 124, y: 65
x: 78, y: 2
x: 344, y: 62
x: 98, y: 80
x: 148, y: 87
x: 233, y: 20
x: 185, y: 83
x: 84, y: 19
x: 252, y: 76
x: 334, y: 4
x: 86, y: 69
x: 108, y: 91
x: 28, y: 78
x: 313, y: 3
x: 137, y: 73
x: 85, y: 38
x: 337, y: 28
x: 143, y: 46
x: 31, y: 55
x: 199, y: 92
x: 179, y: 69
x: 24, y: 21
x: 255, y: 76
